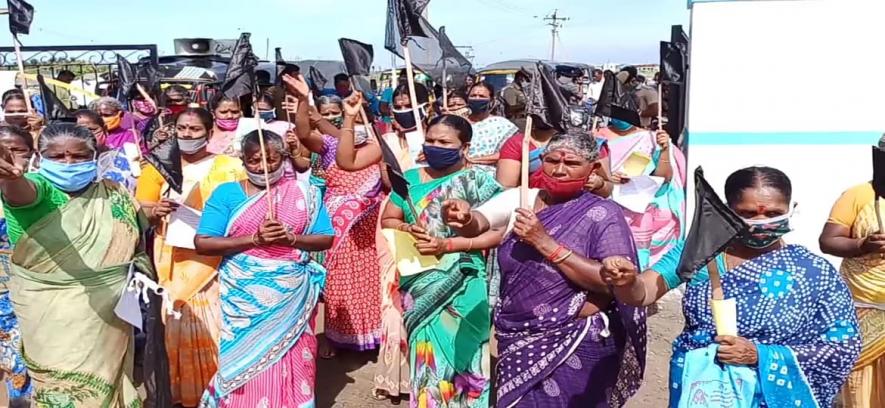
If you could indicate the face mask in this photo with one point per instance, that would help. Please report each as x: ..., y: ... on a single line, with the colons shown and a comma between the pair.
x: 360, y: 135
x: 176, y: 109
x: 144, y: 107
x: 557, y: 189
x: 441, y: 158
x: 191, y: 146
x: 227, y: 125
x: 274, y: 176
x: 463, y: 112
x: 619, y: 125
x: 113, y: 122
x: 766, y: 232
x: 338, y: 121
x: 69, y: 177
x: 478, y: 105
x: 267, y: 116
x: 406, y: 118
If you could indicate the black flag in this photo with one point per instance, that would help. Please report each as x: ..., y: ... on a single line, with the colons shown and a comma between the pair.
x: 316, y: 79
x: 616, y: 103
x: 148, y: 75
x: 672, y: 63
x: 127, y: 79
x: 166, y: 158
x: 713, y: 227
x: 430, y: 52
x: 21, y: 14
x: 239, y: 80
x: 281, y: 65
x: 398, y: 182
x: 407, y: 15
x: 54, y: 108
x: 545, y: 100
x: 357, y: 56
x: 879, y: 171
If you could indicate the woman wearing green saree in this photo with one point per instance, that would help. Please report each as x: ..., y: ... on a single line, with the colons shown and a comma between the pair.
x: 447, y: 307
x: 75, y: 241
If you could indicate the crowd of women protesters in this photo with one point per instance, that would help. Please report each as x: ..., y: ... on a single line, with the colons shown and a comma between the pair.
x: 293, y: 219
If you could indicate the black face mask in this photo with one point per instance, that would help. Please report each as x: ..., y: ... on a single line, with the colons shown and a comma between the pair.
x: 479, y: 105
x: 406, y: 118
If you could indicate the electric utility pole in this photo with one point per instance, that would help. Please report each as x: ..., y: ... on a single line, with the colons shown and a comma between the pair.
x: 555, y: 23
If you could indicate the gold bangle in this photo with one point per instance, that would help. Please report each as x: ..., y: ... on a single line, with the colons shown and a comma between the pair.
x: 469, y: 245
x: 564, y: 256
x: 255, y: 240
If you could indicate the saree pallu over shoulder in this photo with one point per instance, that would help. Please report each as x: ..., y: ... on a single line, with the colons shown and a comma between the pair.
x: 68, y: 272
x: 796, y: 304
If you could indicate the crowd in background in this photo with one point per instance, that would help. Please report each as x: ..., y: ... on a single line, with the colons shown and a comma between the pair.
x: 302, y: 212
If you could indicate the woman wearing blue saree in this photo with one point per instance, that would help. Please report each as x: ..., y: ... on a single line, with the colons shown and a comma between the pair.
x: 269, y: 285
x: 447, y: 307
x: 799, y: 337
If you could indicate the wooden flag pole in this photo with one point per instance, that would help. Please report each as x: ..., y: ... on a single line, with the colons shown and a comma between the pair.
x: 445, y: 88
x: 414, y: 98
x: 595, y: 123
x: 524, y: 166
x: 660, y: 105
x: 270, y: 203
x: 21, y: 70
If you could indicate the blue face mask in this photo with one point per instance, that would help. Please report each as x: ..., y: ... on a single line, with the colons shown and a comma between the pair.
x: 619, y: 125
x: 267, y: 116
x: 441, y: 158
x: 69, y: 177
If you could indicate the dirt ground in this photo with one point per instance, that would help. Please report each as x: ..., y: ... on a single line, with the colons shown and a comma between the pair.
x: 346, y: 381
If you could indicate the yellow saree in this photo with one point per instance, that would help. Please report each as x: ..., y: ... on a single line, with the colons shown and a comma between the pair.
x: 865, y: 277
x: 191, y: 280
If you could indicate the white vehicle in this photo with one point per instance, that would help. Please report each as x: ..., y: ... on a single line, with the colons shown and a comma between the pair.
x: 784, y: 84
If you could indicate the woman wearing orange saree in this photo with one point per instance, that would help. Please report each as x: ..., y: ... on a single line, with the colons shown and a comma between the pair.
x: 191, y: 279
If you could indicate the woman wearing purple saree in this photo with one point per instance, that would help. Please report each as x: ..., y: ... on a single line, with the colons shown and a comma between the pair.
x: 562, y: 340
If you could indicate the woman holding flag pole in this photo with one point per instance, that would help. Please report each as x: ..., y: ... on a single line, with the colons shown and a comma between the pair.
x: 792, y: 338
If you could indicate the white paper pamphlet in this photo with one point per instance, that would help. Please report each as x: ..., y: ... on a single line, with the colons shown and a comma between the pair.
x: 182, y: 228
x: 638, y: 193
x: 128, y: 308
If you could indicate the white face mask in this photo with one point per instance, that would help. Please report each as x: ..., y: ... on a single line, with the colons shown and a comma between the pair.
x: 191, y: 146
x: 273, y: 177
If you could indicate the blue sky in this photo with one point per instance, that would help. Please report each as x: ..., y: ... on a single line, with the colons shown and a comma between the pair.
x: 600, y: 31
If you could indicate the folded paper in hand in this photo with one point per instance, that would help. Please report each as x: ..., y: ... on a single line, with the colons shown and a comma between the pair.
x: 182, y: 227
x: 406, y: 257
x: 635, y: 164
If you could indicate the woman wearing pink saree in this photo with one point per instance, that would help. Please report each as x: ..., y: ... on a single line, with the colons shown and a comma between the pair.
x: 269, y: 285
x: 656, y: 229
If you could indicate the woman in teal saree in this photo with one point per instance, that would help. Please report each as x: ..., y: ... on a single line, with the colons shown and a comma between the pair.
x: 446, y: 308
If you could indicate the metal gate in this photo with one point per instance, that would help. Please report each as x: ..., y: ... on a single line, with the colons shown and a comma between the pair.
x: 91, y: 64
